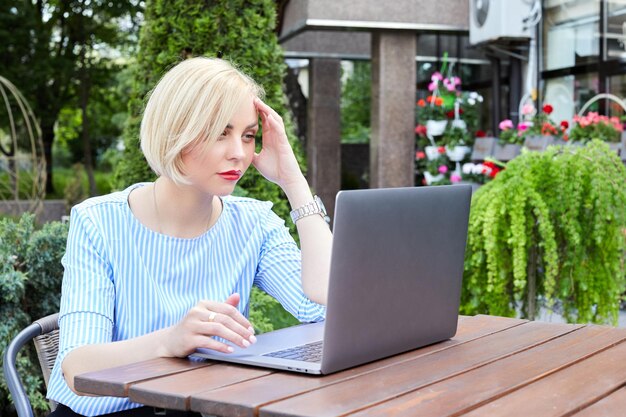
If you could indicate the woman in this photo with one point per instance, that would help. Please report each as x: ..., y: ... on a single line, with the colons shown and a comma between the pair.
x: 163, y: 268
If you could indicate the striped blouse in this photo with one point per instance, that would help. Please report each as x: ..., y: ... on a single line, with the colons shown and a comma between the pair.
x: 123, y: 280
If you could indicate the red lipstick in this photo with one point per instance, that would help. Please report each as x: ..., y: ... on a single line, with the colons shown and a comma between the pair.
x: 232, y: 175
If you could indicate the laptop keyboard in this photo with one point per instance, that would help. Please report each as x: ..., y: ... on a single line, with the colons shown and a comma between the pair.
x: 311, y: 352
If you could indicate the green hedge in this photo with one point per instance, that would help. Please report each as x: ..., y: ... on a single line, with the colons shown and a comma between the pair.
x: 30, y: 288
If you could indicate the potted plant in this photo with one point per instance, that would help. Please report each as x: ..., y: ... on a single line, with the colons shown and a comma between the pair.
x: 594, y: 126
x: 550, y: 232
x: 456, y: 140
x: 543, y: 131
x: 510, y: 140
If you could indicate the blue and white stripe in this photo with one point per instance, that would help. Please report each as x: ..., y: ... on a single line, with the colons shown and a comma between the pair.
x: 123, y: 280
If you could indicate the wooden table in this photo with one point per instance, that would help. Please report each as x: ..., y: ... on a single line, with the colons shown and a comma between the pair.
x: 494, y: 366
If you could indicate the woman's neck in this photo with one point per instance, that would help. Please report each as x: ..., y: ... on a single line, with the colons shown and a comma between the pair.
x: 183, y: 211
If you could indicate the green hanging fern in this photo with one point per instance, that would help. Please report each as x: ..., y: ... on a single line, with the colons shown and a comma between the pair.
x: 550, y: 231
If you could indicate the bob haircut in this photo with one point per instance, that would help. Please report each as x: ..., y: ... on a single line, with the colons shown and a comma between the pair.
x: 191, y: 105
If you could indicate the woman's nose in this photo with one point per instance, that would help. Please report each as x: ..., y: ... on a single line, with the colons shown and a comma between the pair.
x: 235, y: 148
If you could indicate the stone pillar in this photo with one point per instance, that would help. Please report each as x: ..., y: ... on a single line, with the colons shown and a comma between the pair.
x: 324, y: 130
x: 392, y: 145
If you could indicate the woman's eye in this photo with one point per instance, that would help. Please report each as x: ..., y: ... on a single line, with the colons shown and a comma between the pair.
x: 249, y: 137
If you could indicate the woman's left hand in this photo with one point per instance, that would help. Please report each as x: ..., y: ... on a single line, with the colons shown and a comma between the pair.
x: 276, y: 161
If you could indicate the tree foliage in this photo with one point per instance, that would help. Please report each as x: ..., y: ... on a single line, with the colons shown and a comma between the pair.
x: 550, y: 231
x: 54, y: 47
x: 355, y: 104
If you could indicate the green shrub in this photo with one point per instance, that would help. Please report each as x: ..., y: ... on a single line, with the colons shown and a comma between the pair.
x: 30, y: 288
x: 550, y: 230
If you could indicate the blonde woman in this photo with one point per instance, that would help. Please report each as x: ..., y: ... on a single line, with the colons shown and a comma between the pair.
x: 163, y: 268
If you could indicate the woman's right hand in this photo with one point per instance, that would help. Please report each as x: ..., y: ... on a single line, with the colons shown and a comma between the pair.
x: 207, y: 319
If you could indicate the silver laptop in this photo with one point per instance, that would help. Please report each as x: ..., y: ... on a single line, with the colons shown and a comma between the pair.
x: 395, y: 282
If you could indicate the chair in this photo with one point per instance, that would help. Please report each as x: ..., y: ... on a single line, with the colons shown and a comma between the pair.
x: 45, y: 334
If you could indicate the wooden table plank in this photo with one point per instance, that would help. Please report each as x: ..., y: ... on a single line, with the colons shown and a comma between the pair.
x: 247, y: 397
x: 566, y: 391
x: 174, y: 391
x: 467, y: 391
x: 611, y: 406
x: 398, y: 379
x: 116, y: 381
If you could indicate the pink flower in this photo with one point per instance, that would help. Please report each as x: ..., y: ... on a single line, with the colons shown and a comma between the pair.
x: 436, y: 76
x: 528, y: 109
x: 432, y: 86
x: 506, y: 124
x: 456, y: 80
x: 523, y: 126
x: 455, y: 178
x: 442, y: 169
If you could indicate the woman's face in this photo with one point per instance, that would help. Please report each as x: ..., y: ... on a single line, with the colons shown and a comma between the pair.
x: 217, y: 169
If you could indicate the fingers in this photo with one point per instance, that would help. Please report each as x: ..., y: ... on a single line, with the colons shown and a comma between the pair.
x: 223, y: 320
x: 230, y: 311
x: 267, y: 113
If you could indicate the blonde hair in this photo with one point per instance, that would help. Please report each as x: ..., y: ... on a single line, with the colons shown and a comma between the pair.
x: 192, y: 104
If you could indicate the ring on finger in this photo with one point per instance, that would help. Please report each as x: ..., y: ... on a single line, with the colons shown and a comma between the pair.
x: 212, y: 316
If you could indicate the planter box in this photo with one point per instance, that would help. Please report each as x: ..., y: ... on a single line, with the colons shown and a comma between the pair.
x: 483, y: 148
x: 507, y: 151
x: 538, y: 143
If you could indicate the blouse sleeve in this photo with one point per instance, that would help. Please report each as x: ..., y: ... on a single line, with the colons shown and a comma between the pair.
x: 279, y: 271
x: 88, y: 293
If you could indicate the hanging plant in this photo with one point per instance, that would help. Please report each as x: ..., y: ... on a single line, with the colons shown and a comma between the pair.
x: 550, y: 231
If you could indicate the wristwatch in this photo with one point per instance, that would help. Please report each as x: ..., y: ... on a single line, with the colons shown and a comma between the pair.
x: 314, y: 207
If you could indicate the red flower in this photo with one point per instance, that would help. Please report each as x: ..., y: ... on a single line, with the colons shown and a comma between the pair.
x: 420, y: 130
x: 421, y: 102
x: 441, y: 149
x: 547, y: 109
x: 450, y: 114
x: 564, y: 124
x: 420, y: 155
x: 480, y: 134
x: 548, y: 129
x: 438, y: 101
x: 430, y: 99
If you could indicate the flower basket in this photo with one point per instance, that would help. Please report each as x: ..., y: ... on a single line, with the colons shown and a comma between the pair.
x: 483, y: 148
x: 507, y: 151
x: 432, y: 152
x: 430, y: 178
x: 538, y: 143
x: 436, y: 127
x: 457, y: 153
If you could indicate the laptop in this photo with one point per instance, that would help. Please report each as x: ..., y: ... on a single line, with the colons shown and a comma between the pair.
x: 395, y: 282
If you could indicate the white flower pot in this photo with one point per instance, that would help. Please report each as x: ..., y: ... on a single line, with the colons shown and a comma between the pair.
x: 460, y: 123
x: 436, y: 127
x: 432, y: 152
x: 430, y: 178
x: 457, y: 153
